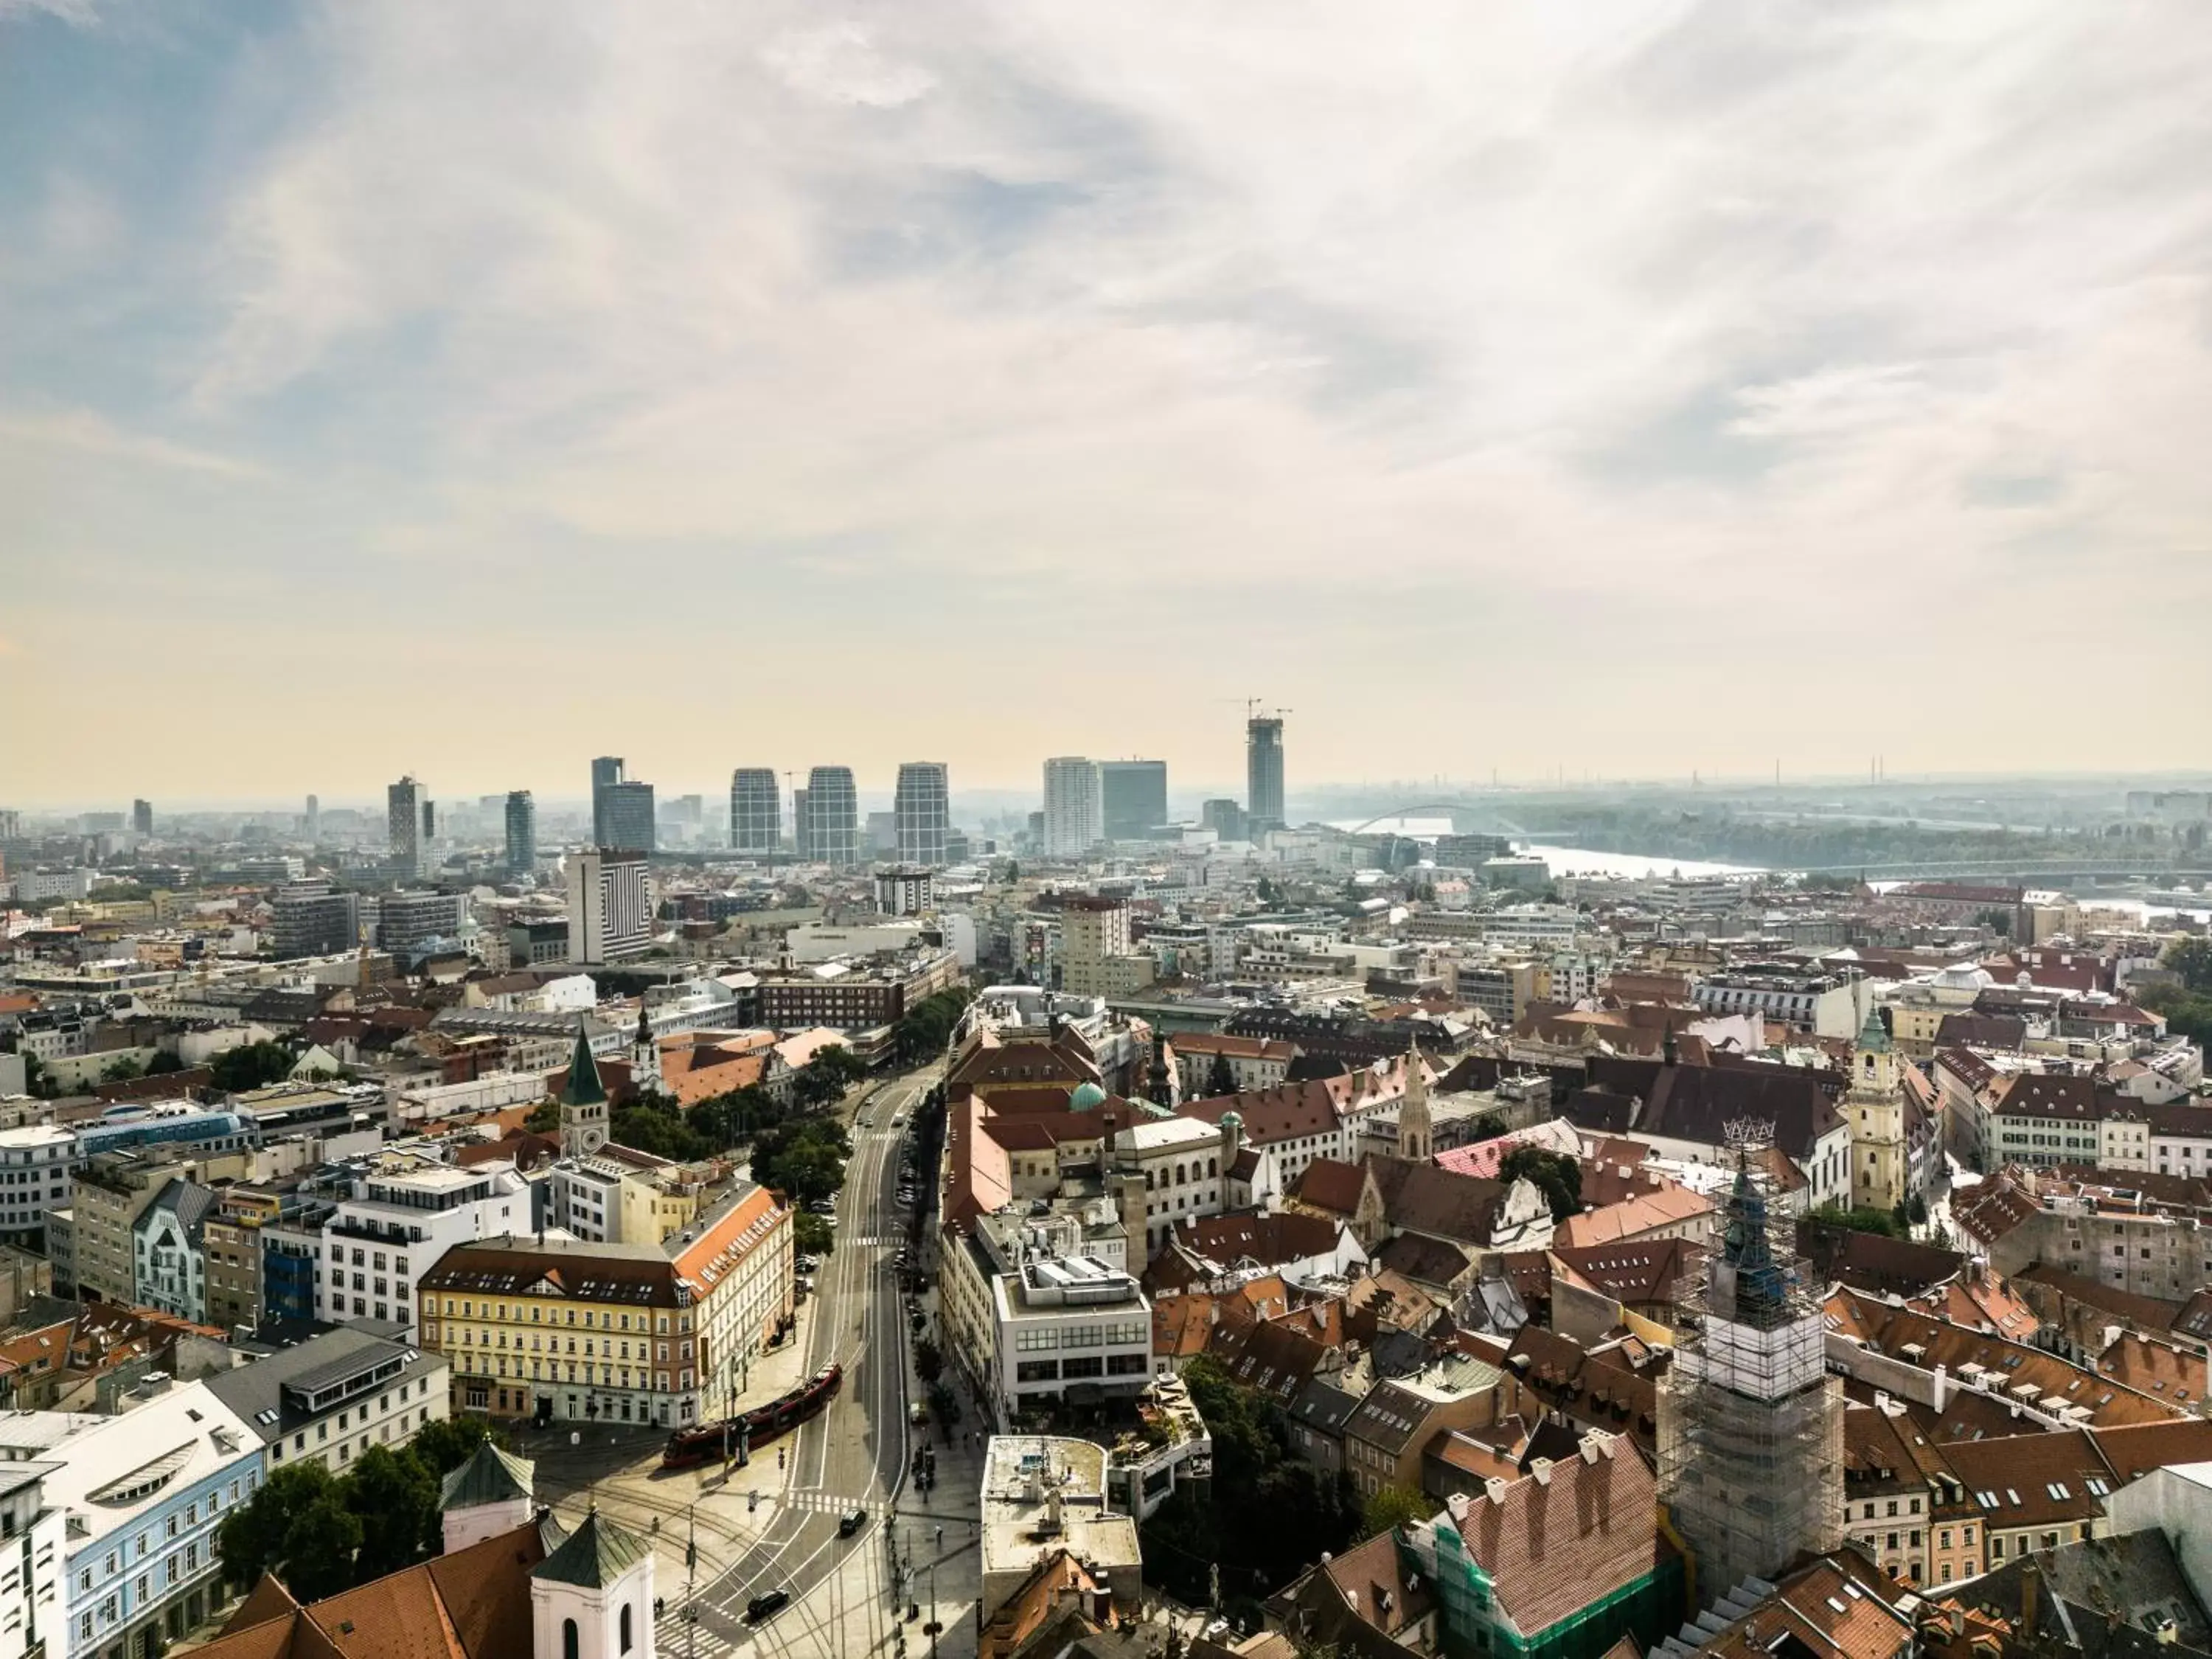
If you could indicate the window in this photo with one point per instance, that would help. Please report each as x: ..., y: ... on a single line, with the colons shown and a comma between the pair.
x: 568, y: 1638
x: 625, y: 1630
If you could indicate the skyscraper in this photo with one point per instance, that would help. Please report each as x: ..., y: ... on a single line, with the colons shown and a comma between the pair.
x: 1132, y: 798
x: 921, y: 808
x: 606, y: 773
x: 629, y: 819
x: 141, y: 817
x: 1073, y: 825
x: 1263, y: 773
x: 315, y: 825
x: 756, y: 811
x: 833, y: 816
x: 403, y: 826
x: 1751, y: 1425
x: 521, y: 833
x: 610, y: 906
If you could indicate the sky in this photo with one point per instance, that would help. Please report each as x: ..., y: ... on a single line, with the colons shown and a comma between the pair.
x: 1627, y: 388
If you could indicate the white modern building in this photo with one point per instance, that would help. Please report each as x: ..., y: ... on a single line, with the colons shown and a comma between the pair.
x: 1074, y: 820
x: 610, y: 906
x: 34, y: 1177
x: 404, y: 1214
x: 1826, y: 1004
x: 32, y: 1535
x: 330, y: 1398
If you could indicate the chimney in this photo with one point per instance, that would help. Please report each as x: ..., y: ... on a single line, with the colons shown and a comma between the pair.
x: 1494, y: 1488
x: 1589, y: 1446
x: 1542, y: 1468
x: 1101, y: 1599
x: 1942, y: 1385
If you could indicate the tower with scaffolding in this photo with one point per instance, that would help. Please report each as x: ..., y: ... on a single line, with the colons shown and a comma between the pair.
x: 1751, y: 1425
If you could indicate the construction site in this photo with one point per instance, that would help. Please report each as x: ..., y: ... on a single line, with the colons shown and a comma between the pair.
x: 1751, y: 1425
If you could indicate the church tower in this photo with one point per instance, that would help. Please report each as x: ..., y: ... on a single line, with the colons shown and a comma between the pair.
x: 1751, y: 1425
x: 583, y: 1103
x: 644, y: 1053
x: 1874, y: 1109
x: 593, y: 1597
x: 1417, y: 1135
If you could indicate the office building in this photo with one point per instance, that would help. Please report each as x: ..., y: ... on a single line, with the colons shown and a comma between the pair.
x: 1094, y: 958
x: 800, y: 834
x: 34, y: 1178
x: 1224, y: 817
x: 141, y: 817
x: 402, y: 821
x: 31, y: 1624
x: 833, y: 816
x: 1132, y: 798
x: 630, y: 818
x: 312, y: 920
x: 405, y: 920
x: 756, y: 811
x: 403, y: 1214
x: 610, y: 906
x: 1263, y: 773
x: 314, y: 825
x: 331, y: 1397
x: 145, y: 1493
x: 1072, y: 823
x: 606, y: 773
x: 921, y: 811
x: 904, y: 890
x: 521, y: 833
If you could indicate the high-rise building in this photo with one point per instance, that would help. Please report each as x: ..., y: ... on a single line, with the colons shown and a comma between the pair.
x: 801, y: 840
x: 1263, y: 773
x: 1094, y: 957
x: 610, y: 906
x: 833, y: 816
x: 1224, y: 817
x: 921, y: 807
x: 406, y: 920
x: 1132, y: 798
x: 1072, y: 824
x: 141, y: 817
x: 606, y: 773
x: 311, y: 921
x: 402, y: 825
x: 1751, y: 1424
x: 314, y: 824
x: 628, y: 814
x: 756, y: 811
x: 521, y: 833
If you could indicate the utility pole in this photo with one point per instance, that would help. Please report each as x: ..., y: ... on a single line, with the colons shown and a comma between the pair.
x: 690, y: 1572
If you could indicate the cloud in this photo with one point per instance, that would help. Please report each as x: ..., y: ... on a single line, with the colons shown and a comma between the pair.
x: 88, y: 433
x: 1627, y: 327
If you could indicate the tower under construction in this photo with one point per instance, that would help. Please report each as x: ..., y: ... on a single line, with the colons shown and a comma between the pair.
x: 1751, y: 1425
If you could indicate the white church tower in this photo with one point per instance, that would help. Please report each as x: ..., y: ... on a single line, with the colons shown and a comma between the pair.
x: 1416, y: 1138
x: 489, y: 1494
x: 593, y: 1597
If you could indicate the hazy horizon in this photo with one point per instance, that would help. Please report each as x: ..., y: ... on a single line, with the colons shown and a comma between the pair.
x: 1666, y: 388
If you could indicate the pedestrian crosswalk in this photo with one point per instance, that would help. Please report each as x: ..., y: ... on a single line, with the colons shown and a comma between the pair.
x: 817, y: 1503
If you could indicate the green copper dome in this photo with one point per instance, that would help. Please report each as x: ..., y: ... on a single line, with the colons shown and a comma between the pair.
x: 1087, y: 1097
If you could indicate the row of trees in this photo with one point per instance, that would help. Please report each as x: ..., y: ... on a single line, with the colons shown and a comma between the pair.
x: 927, y: 1026
x: 324, y: 1533
x: 2187, y: 1005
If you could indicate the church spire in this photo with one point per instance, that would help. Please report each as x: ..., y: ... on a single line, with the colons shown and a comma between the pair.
x: 1416, y: 1129
x: 584, y: 1087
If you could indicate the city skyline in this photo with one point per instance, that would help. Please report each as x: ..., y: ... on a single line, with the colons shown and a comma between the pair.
x: 1553, y: 357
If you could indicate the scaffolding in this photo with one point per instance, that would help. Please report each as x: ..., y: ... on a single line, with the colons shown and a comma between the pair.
x: 1751, y: 1427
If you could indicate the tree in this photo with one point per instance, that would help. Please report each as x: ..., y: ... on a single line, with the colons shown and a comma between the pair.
x: 1556, y: 1175
x: 1865, y: 1220
x: 122, y: 1070
x: 163, y: 1063
x: 545, y: 1118
x: 394, y: 1496
x: 251, y: 1066
x: 812, y: 1234
x: 1489, y: 1127
x: 1392, y: 1507
x: 444, y: 1443
x: 251, y: 1539
x: 319, y: 1546
x: 1219, y: 1079
x: 928, y: 1360
x: 2191, y: 958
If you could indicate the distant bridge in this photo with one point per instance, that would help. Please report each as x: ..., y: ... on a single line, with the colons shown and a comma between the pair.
x: 2030, y: 869
x: 1469, y: 818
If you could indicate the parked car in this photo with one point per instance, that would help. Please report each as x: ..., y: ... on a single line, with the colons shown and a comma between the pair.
x: 917, y: 1414
x: 851, y: 1522
x: 806, y: 1264
x: 764, y: 1604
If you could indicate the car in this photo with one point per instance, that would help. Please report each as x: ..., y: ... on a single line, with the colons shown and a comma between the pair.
x: 851, y: 1522
x: 897, y: 1119
x: 917, y: 1414
x: 766, y: 1603
x: 806, y: 1264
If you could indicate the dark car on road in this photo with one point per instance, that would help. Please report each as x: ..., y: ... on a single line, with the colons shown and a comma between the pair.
x: 766, y: 1603
x: 849, y: 1523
